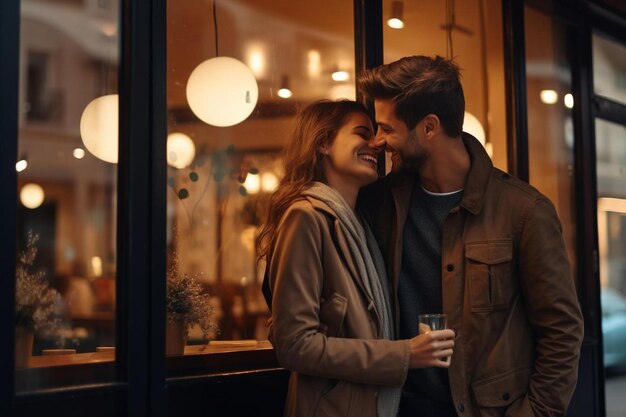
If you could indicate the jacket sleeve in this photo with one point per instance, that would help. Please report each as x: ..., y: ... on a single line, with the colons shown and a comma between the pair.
x: 553, y: 311
x: 296, y: 278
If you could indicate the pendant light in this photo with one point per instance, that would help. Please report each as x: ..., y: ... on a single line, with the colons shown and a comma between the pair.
x: 99, y: 127
x: 222, y: 91
x: 396, y: 19
x: 32, y: 195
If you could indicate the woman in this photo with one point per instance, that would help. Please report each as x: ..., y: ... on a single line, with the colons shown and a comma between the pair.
x: 332, y: 324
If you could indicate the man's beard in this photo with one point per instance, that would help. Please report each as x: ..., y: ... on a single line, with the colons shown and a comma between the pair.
x: 413, y: 160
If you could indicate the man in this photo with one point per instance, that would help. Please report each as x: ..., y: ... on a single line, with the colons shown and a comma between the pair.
x: 464, y: 238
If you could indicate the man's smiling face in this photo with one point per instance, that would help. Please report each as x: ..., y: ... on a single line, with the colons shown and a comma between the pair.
x: 407, y: 153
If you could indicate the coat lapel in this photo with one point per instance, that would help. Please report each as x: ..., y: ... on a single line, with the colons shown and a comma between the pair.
x: 344, y: 249
x: 401, y: 189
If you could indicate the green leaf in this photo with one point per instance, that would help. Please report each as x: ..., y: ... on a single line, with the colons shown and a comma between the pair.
x: 193, y: 176
x: 183, y: 193
x: 254, y: 171
x: 243, y: 191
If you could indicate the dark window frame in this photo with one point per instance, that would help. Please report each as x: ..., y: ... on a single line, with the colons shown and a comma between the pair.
x: 142, y: 388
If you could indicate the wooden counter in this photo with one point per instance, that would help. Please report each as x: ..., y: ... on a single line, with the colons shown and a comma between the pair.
x: 96, y: 367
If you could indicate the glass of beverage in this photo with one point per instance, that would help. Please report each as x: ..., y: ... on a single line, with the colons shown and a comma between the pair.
x: 430, y: 322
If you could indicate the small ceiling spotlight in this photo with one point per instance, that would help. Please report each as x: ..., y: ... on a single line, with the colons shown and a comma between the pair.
x: 340, y: 75
x: 396, y: 21
x: 549, y: 96
x: 22, y: 164
x: 284, y: 91
x: 568, y: 100
x: 78, y: 153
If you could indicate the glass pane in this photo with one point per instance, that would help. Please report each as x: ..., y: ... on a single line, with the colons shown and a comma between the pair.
x: 550, y: 126
x: 471, y: 32
x: 223, y: 154
x: 65, y: 280
x: 609, y: 69
x: 611, y: 169
x: 609, y: 80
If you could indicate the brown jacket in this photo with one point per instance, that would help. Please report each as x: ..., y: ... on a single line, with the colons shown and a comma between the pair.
x: 508, y: 290
x: 313, y: 279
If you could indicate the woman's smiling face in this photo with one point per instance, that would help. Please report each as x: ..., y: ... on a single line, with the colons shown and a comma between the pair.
x: 352, y: 156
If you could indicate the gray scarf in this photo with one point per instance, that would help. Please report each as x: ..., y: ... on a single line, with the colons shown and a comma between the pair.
x: 371, y: 268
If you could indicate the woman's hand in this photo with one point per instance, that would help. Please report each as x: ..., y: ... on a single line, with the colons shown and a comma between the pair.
x: 432, y: 349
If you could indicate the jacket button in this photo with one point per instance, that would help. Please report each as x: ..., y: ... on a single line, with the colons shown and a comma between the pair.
x: 450, y: 267
x: 460, y: 407
x: 506, y: 396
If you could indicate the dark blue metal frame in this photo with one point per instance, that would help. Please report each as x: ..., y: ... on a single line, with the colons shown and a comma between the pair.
x: 9, y: 81
x: 141, y: 242
x: 515, y: 79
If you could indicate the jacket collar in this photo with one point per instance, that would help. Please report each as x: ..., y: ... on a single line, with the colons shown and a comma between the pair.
x: 473, y: 190
x: 478, y: 176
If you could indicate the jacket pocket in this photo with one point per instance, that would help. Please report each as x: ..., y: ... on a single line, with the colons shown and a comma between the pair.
x: 335, y: 401
x: 332, y: 314
x: 488, y: 269
x: 495, y: 394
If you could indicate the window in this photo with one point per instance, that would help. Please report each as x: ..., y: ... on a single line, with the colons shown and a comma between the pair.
x: 67, y: 190
x: 550, y: 125
x: 225, y: 160
x: 471, y: 33
x: 609, y: 81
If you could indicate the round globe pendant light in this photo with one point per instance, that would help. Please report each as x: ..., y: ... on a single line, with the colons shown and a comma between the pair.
x: 32, y: 195
x: 222, y: 91
x: 180, y: 150
x: 99, y: 127
x: 472, y: 126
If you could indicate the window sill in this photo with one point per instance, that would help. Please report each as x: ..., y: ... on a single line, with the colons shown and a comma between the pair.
x: 219, y: 357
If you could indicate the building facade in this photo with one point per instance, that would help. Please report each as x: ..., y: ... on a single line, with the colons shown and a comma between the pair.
x: 123, y: 182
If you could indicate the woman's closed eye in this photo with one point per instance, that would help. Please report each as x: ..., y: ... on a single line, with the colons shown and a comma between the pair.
x: 364, y: 133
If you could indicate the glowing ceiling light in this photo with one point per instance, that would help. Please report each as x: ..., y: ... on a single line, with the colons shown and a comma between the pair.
x: 32, y: 195
x: 284, y: 93
x: 99, y: 127
x: 473, y: 126
x: 222, y: 91
x: 396, y: 19
x: 395, y: 23
x: 314, y: 63
x: 255, y: 57
x: 549, y: 96
x: 340, y: 75
x: 252, y: 183
x: 21, y: 165
x: 269, y: 182
x: 568, y: 100
x: 284, y: 90
x: 180, y: 150
x: 78, y: 153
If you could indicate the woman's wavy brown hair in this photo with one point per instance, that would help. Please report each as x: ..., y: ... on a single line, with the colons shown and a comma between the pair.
x: 317, y: 125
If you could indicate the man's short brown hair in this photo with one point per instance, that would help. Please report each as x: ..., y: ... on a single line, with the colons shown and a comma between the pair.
x: 418, y: 86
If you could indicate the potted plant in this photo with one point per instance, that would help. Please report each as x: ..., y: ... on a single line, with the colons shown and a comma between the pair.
x: 186, y: 305
x: 35, y: 303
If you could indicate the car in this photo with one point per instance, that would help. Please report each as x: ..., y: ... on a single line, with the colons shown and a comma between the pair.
x: 613, y: 327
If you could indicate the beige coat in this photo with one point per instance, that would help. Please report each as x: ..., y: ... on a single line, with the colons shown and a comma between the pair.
x: 508, y: 290
x: 313, y: 280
